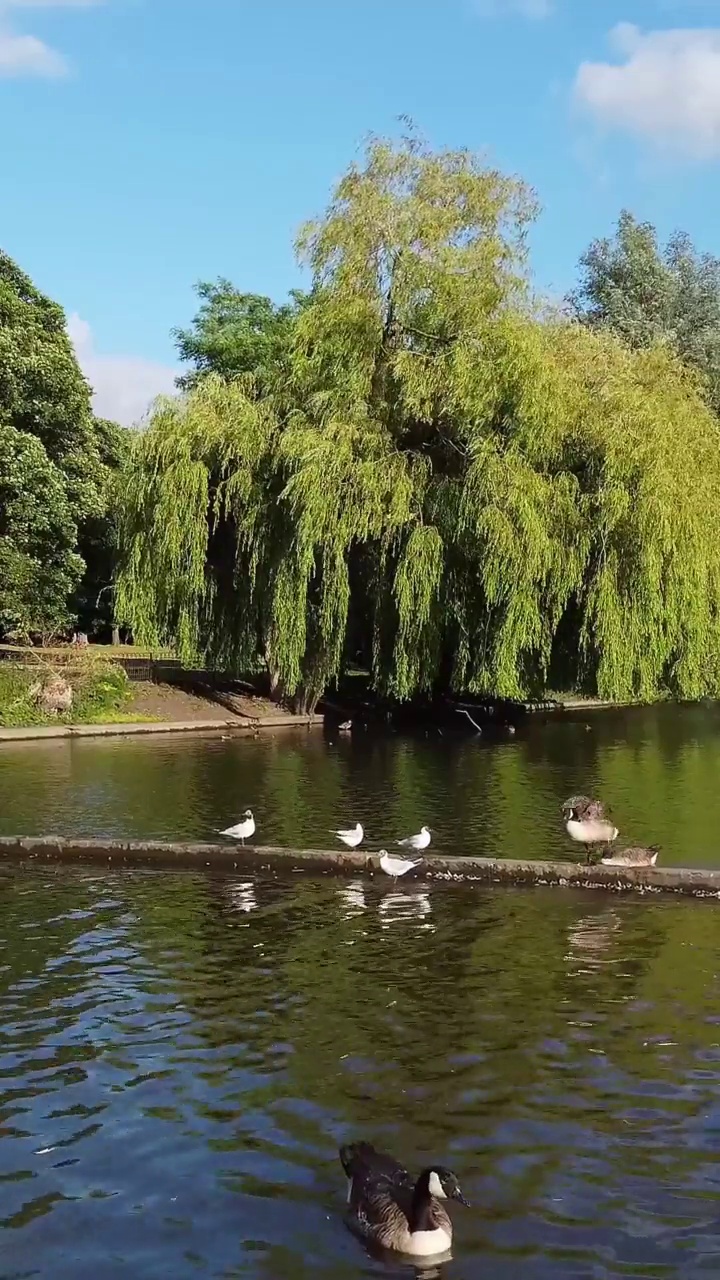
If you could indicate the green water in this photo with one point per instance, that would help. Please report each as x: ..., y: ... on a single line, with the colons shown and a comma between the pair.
x: 658, y: 769
x: 182, y: 1054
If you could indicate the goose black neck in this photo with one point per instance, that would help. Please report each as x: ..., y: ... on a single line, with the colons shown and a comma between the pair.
x: 421, y: 1209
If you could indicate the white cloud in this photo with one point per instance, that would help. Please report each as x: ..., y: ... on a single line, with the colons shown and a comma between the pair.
x: 124, y: 387
x: 665, y: 87
x: 25, y: 55
x: 528, y: 8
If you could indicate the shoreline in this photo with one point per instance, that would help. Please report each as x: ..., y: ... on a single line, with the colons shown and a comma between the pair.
x: 168, y: 855
x: 241, y: 727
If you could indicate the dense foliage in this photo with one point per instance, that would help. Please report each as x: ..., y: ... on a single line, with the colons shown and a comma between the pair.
x: 432, y: 480
x: 235, y: 333
x: 55, y: 462
x: 648, y: 294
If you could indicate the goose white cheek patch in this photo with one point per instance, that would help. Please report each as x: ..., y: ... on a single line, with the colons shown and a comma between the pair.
x: 435, y: 1187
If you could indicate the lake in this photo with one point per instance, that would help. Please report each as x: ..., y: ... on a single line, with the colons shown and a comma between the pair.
x: 183, y: 1053
x: 657, y: 768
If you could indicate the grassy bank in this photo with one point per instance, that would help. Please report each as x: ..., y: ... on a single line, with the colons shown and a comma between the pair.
x: 101, y: 693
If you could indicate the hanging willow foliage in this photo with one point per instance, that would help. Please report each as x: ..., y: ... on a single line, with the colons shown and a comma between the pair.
x: 484, y: 498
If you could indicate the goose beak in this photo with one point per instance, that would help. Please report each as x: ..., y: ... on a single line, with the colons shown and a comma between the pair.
x: 458, y: 1195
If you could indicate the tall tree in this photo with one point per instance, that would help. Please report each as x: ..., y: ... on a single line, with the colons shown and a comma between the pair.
x: 236, y: 333
x: 647, y: 293
x: 52, y: 475
x: 92, y: 603
x: 484, y: 494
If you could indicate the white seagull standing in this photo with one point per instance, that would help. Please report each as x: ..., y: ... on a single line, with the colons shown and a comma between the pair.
x: 418, y: 842
x: 394, y: 866
x: 352, y: 837
x: 242, y: 830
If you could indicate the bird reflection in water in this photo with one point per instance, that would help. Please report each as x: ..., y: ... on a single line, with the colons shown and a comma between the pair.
x: 352, y: 897
x: 242, y: 896
x: 590, y: 939
x: 398, y: 906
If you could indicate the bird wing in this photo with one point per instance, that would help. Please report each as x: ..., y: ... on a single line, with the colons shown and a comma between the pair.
x: 361, y: 1161
x: 594, y: 809
x: 585, y: 808
x: 381, y: 1189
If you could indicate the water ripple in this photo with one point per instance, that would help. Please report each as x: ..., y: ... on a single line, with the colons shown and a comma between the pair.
x: 183, y: 1054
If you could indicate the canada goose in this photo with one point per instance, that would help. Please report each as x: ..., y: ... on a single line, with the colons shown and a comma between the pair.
x: 395, y: 867
x: 242, y: 830
x: 352, y: 837
x: 418, y: 842
x: 387, y: 1207
x: 585, y: 822
x: 638, y: 857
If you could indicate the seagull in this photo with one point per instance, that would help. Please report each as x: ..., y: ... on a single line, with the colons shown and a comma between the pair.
x: 242, y: 830
x: 352, y: 837
x: 418, y: 842
x: 393, y: 866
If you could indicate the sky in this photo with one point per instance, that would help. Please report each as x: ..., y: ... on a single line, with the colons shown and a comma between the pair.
x: 148, y: 144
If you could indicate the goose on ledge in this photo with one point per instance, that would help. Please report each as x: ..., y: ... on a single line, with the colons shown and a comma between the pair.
x: 638, y: 857
x: 586, y: 822
x: 388, y: 1208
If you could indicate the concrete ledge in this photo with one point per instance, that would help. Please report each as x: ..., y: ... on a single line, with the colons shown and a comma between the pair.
x: 508, y: 871
x: 34, y: 732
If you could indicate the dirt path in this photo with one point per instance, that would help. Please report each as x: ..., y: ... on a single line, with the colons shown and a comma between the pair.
x: 171, y: 704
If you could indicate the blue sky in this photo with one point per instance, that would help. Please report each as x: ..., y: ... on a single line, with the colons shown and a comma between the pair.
x: 149, y: 143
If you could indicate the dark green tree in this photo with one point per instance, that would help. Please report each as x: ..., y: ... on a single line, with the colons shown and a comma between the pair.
x: 54, y: 478
x: 236, y: 333
x: 93, y: 602
x: 645, y: 293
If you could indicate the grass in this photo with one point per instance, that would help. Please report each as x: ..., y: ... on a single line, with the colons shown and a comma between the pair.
x: 101, y: 693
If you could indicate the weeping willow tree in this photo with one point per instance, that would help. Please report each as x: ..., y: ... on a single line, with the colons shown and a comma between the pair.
x: 468, y: 497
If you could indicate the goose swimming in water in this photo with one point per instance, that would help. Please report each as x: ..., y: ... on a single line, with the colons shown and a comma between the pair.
x: 638, y: 857
x: 352, y: 837
x: 586, y: 823
x: 387, y: 1207
x: 243, y: 829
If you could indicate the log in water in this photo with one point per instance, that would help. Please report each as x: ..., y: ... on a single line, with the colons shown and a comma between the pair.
x: 697, y: 882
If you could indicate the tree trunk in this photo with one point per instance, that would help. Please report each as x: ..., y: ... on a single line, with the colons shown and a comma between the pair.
x: 304, y: 702
x: 277, y: 688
